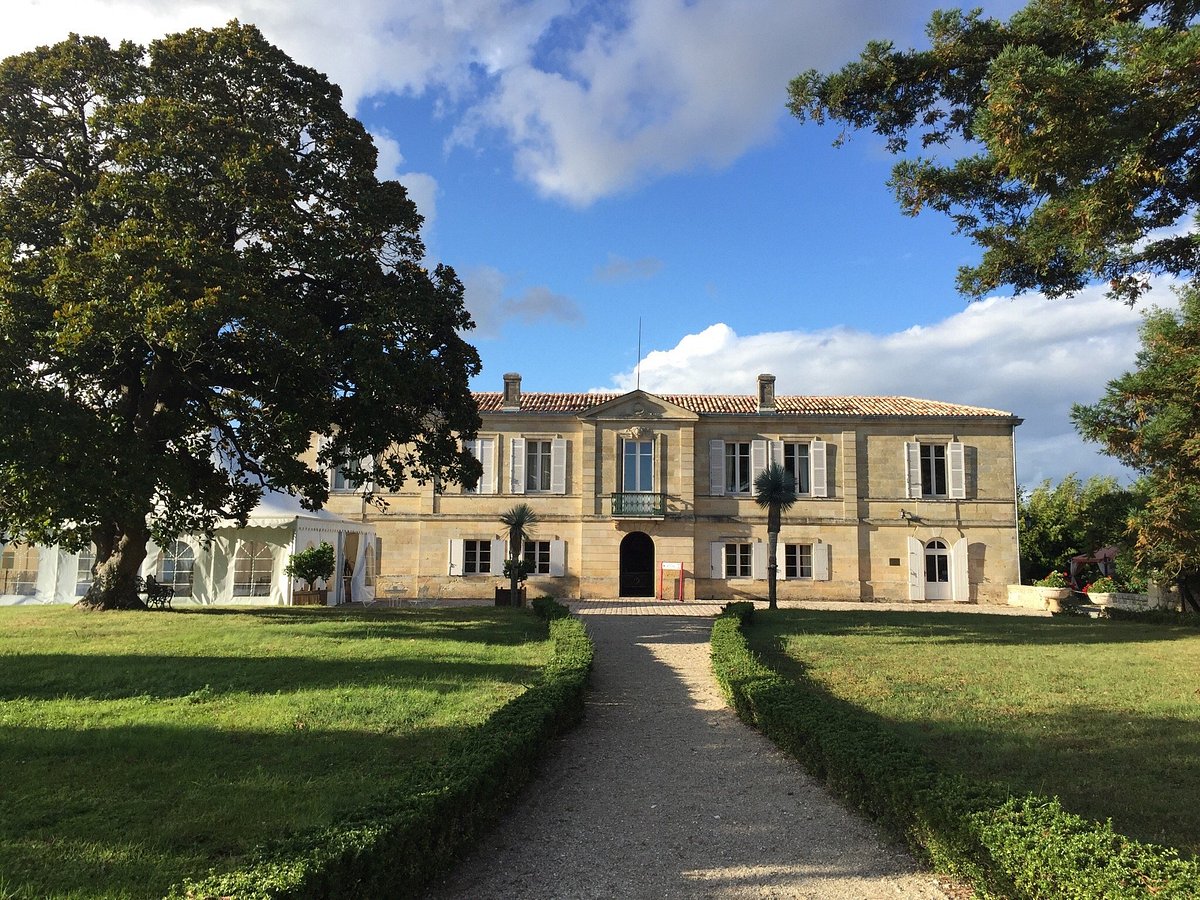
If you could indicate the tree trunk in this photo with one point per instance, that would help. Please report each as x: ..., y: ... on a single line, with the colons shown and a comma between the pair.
x: 119, y: 556
x: 772, y: 567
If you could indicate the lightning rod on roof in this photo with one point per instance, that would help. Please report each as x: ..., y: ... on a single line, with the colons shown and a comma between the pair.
x: 638, y: 369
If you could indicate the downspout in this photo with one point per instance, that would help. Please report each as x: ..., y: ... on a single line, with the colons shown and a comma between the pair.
x: 1016, y: 503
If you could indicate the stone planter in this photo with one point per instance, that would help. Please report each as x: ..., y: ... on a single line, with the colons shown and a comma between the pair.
x: 310, y: 598
x: 1028, y: 596
x: 503, y: 597
x: 1131, y: 602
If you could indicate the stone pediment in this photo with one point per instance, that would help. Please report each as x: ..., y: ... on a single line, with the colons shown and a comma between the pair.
x: 638, y: 405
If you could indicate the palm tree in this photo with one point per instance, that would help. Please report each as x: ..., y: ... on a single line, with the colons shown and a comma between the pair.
x: 519, y: 520
x: 774, y: 491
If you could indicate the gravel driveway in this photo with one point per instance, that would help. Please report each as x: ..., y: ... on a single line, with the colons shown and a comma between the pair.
x: 662, y: 792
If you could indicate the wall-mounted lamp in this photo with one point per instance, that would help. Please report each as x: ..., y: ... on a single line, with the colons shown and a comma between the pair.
x: 906, y: 515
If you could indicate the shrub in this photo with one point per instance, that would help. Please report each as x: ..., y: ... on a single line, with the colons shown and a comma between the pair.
x: 312, y: 564
x: 1054, y: 580
x: 1017, y: 847
x: 1154, y: 617
x: 413, y: 832
x: 742, y: 610
x: 549, y: 609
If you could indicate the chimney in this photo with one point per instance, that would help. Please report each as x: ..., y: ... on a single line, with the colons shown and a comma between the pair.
x: 766, y: 393
x: 512, y: 391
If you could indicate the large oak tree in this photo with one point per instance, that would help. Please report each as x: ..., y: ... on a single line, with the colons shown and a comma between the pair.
x: 199, y: 270
x: 1064, y: 142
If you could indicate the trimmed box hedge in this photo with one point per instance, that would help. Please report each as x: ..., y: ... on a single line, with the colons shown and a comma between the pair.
x: 1014, y: 847
x: 413, y: 833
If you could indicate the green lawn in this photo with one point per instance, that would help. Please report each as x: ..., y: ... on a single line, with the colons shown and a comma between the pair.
x: 1105, y: 715
x: 140, y: 748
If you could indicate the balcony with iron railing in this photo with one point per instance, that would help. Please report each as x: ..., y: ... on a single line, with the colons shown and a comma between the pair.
x: 639, y: 505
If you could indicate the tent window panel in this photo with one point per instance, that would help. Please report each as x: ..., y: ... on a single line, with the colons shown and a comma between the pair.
x: 83, y: 572
x: 252, y: 570
x: 175, y: 567
x: 19, y: 570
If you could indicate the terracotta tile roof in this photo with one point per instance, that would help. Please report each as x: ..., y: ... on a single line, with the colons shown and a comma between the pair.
x: 490, y: 401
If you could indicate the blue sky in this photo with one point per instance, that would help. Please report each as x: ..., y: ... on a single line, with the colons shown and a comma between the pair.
x: 586, y: 164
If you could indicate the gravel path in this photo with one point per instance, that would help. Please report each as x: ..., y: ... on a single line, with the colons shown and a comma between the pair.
x: 662, y: 792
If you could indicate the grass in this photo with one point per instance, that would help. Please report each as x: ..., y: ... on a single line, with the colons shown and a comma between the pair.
x: 1104, y: 715
x: 141, y: 748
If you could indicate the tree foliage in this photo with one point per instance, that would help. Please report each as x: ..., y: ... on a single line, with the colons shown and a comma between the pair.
x: 1149, y: 419
x: 1078, y: 125
x: 198, y: 263
x: 774, y: 491
x: 1060, y: 521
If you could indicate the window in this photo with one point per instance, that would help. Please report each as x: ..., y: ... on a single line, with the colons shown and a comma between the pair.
x: 175, y: 566
x: 797, y: 561
x: 933, y: 470
x: 737, y: 561
x: 737, y: 467
x: 19, y: 569
x: 796, y: 461
x: 937, y: 563
x: 537, y: 465
x: 538, y: 554
x: 83, y: 571
x: 638, y: 471
x: 252, y: 568
x: 484, y: 450
x: 348, y: 477
x: 477, y: 557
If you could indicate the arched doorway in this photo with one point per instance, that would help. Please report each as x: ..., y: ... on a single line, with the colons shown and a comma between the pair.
x: 637, y: 565
x: 937, y: 571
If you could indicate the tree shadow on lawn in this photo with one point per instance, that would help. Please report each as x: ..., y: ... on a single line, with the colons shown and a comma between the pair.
x: 128, y: 811
x: 1137, y: 769
x: 980, y: 628
x: 55, y: 676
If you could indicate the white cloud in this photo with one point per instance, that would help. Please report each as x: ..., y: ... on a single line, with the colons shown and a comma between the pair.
x: 594, y: 99
x: 1030, y: 356
x: 492, y: 307
x: 422, y: 188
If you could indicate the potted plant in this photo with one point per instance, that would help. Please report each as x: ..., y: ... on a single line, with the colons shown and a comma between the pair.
x: 310, y: 566
x: 1054, y: 589
x: 518, y: 520
x: 504, y: 595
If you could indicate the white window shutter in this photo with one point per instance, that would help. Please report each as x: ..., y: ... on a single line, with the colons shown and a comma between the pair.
x: 717, y: 550
x: 957, y: 464
x: 758, y: 561
x: 487, y: 458
x: 777, y: 453
x: 820, y: 561
x: 818, y: 474
x: 516, y: 465
x: 916, y: 569
x: 496, y: 563
x: 959, y: 575
x: 716, y: 468
x: 456, y: 557
x: 368, y: 467
x: 558, y: 558
x: 912, y: 470
x: 558, y: 466
x: 758, y: 460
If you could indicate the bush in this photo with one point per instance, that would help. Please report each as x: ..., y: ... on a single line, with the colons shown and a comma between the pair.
x: 1154, y: 617
x: 1017, y: 847
x: 414, y: 831
x: 1054, y: 580
x: 742, y: 610
x: 312, y: 564
x: 549, y: 609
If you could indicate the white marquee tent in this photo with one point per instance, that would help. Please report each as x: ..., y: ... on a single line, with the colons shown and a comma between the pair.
x: 239, y: 565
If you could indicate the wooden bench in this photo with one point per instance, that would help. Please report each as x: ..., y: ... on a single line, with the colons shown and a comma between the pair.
x: 158, y: 595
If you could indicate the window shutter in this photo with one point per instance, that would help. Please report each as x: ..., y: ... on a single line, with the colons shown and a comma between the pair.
x: 912, y: 470
x: 758, y: 561
x: 496, y: 563
x: 717, y: 550
x: 368, y: 466
x: 558, y: 558
x: 456, y: 556
x: 487, y: 458
x: 776, y: 453
x: 758, y: 460
x: 516, y: 465
x: 558, y: 466
x: 820, y: 561
x: 959, y: 575
x: 716, y: 469
x: 957, y: 464
x: 818, y: 475
x: 916, y: 569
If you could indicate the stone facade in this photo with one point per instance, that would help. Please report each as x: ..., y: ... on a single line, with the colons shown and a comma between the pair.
x: 905, y: 499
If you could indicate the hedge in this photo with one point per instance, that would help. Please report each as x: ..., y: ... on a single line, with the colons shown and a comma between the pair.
x: 1014, y: 847
x: 414, y: 832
